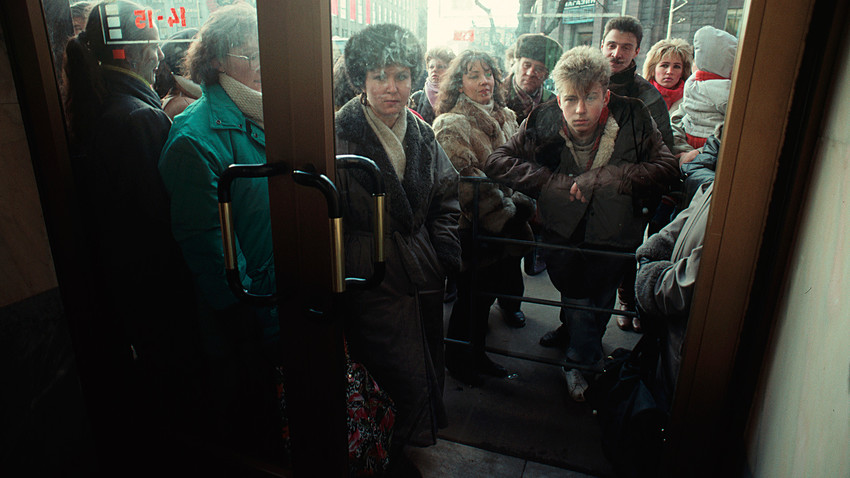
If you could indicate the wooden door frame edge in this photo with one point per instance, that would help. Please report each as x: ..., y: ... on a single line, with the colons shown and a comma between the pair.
x: 757, y: 122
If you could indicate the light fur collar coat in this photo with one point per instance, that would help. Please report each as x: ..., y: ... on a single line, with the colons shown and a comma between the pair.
x: 469, y: 134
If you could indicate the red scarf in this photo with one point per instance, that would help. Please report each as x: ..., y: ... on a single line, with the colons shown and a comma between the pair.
x: 670, y: 95
x: 695, y: 141
x: 701, y: 75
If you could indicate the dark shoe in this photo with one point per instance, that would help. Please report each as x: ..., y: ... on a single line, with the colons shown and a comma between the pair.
x: 514, y: 319
x: 402, y: 467
x: 484, y: 365
x: 559, y: 338
x: 460, y: 365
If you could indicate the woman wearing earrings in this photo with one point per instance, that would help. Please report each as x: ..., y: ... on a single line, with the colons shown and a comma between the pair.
x: 396, y: 329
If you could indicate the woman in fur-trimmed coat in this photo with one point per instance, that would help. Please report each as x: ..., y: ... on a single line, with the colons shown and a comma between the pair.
x: 473, y: 123
x: 396, y: 328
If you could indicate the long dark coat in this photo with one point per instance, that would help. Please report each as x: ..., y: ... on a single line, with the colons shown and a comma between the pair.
x: 396, y: 329
x: 144, y: 278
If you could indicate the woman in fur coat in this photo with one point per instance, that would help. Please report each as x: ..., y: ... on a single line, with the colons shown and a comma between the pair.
x: 472, y: 122
x: 396, y: 328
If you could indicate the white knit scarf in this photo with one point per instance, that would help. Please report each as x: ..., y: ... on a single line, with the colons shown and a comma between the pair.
x: 391, y: 138
x: 249, y: 101
x: 488, y: 108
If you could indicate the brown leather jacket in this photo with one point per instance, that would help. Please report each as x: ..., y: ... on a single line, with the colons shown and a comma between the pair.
x: 631, y: 169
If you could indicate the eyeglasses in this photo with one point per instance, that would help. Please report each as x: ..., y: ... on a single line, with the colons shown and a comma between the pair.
x: 253, y: 60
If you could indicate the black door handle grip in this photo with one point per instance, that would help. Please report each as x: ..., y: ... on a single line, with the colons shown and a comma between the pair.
x: 353, y: 161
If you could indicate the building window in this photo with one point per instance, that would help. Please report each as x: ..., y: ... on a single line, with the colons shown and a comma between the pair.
x: 734, y: 17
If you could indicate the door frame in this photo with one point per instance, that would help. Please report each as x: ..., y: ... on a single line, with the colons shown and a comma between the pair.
x: 774, y: 40
x: 753, y: 214
x: 298, y: 111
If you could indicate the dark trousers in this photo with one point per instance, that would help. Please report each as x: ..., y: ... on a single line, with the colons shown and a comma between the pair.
x: 470, y: 313
x: 512, y: 284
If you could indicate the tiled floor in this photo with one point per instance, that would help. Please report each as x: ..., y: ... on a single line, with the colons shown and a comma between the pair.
x: 448, y: 460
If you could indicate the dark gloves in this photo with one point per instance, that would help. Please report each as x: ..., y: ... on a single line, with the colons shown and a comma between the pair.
x: 525, y: 206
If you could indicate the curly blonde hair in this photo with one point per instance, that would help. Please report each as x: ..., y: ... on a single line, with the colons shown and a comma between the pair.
x: 665, y: 47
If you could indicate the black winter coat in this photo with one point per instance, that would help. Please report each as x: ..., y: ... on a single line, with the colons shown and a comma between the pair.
x: 629, y: 83
x: 420, y: 104
x: 143, y: 276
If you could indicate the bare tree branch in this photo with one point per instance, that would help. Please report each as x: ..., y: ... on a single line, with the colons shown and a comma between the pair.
x: 551, y: 25
x: 524, y: 21
x: 492, y: 23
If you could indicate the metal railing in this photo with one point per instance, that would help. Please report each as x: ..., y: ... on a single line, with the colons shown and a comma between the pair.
x: 478, y: 237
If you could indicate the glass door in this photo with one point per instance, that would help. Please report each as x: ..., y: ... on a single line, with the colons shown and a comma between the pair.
x: 298, y: 42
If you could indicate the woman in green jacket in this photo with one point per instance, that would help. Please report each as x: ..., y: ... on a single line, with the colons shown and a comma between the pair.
x: 224, y: 127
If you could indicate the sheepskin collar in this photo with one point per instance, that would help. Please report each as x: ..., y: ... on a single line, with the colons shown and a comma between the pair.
x: 605, y: 149
x: 407, y: 199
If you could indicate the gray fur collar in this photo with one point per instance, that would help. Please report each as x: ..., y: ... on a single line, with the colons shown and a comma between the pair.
x: 408, y: 200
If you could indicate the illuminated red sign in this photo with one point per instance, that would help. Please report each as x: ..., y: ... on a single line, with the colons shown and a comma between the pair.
x: 146, y: 18
x: 464, y: 35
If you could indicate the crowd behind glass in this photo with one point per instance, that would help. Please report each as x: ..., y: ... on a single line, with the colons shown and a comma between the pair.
x: 607, y: 159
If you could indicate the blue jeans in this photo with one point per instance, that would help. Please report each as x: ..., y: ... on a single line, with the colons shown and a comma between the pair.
x: 587, y: 327
x: 585, y: 279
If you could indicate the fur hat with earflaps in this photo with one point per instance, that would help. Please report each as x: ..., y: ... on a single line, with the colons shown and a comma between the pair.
x: 540, y: 47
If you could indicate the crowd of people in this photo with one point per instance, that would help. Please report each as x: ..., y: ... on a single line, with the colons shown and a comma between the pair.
x: 586, y: 168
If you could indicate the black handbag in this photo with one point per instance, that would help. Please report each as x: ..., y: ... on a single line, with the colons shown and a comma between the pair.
x: 631, y: 420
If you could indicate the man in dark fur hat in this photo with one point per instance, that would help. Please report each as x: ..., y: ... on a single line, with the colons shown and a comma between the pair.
x: 534, y: 56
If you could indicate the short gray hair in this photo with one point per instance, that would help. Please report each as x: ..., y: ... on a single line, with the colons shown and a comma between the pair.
x: 228, y: 27
x: 580, y: 68
x: 440, y: 53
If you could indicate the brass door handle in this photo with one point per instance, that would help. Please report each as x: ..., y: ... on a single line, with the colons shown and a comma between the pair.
x: 339, y: 282
x: 329, y: 191
x: 353, y: 161
x: 228, y: 234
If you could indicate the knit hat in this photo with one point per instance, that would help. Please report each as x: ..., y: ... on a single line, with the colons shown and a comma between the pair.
x: 540, y: 47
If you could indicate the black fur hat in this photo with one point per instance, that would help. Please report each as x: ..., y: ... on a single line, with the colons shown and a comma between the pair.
x: 540, y: 47
x: 377, y: 46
